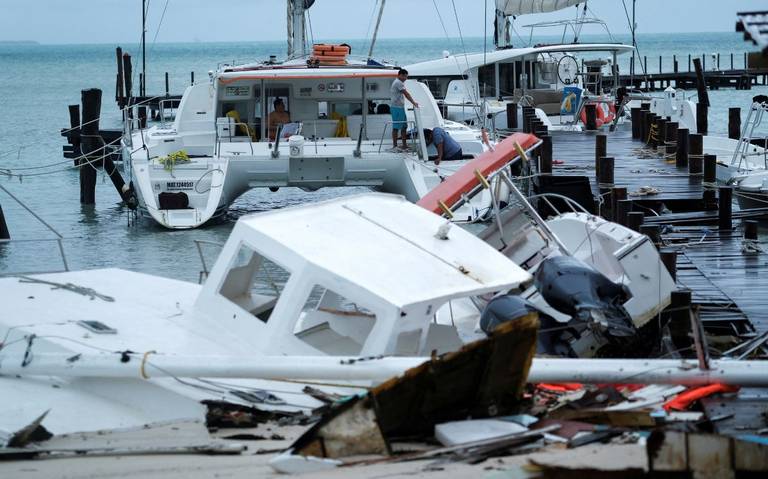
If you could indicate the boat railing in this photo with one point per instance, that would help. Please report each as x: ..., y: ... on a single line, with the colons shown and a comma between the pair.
x: 574, y: 206
x: 59, y: 248
x: 173, y: 109
x: 410, y: 125
x: 199, y: 245
x: 58, y: 239
x: 231, y: 124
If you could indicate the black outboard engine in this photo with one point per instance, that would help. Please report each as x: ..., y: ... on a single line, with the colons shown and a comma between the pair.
x: 574, y: 288
x: 553, y: 337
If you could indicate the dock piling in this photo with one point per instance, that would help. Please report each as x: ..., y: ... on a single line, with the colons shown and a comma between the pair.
x: 681, y: 153
x: 512, y: 115
x: 635, y: 220
x: 635, y: 116
x: 91, y: 107
x: 670, y: 139
x: 590, y: 110
x: 669, y: 258
x: 734, y: 123
x: 545, y: 155
x: 4, y: 233
x: 750, y: 229
x: 605, y: 171
x: 725, y: 208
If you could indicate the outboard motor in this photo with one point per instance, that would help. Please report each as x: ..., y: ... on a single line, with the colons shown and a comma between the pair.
x: 574, y: 288
x: 553, y: 337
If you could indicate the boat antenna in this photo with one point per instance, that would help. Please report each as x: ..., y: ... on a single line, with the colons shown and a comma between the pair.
x: 376, y: 29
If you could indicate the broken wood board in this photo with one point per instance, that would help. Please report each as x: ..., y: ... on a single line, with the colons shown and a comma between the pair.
x: 485, y: 378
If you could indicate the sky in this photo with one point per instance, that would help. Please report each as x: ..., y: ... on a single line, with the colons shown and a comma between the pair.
x: 119, y: 21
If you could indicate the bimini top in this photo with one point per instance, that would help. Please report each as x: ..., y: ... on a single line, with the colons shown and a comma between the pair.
x: 384, y: 244
x: 298, y: 69
x: 460, y: 64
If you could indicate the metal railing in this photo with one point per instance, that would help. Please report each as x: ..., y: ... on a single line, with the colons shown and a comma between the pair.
x: 199, y: 245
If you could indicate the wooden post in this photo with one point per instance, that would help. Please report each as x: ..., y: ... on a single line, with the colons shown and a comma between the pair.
x: 191, y: 78
x: 701, y: 83
x: 4, y: 233
x: 119, y: 91
x: 142, y: 116
x: 718, y: 62
x: 601, y: 150
x: 617, y: 194
x: 734, y: 123
x: 750, y: 229
x: 590, y: 110
x: 644, y: 114
x: 659, y: 64
x: 653, y: 232
x: 702, y: 121
x: 91, y: 101
x: 635, y: 220
x: 545, y: 155
x: 725, y: 208
x: 669, y: 258
x: 127, y: 78
x: 167, y: 85
x: 605, y: 171
x: 710, y: 182
x: 74, y: 130
x: 670, y: 139
x: 731, y: 60
x: 645, y: 64
x: 623, y: 207
x: 636, y: 127
x: 680, y: 319
x: 681, y: 155
x: 661, y: 124
x: 512, y: 115
x: 674, y: 63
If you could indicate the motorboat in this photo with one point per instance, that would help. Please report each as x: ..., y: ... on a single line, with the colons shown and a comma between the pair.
x: 302, y: 295
x: 743, y: 162
x: 558, y: 80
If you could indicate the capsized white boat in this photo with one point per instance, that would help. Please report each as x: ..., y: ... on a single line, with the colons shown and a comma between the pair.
x: 300, y: 293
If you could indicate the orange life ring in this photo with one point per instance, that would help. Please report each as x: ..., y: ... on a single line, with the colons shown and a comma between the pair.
x: 605, y: 112
x: 328, y: 61
x: 323, y: 47
x: 330, y: 53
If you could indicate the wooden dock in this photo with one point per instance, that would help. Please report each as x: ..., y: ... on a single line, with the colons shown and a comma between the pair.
x: 732, y: 298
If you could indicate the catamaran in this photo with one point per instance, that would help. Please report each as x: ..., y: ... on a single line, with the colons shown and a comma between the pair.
x: 477, y: 87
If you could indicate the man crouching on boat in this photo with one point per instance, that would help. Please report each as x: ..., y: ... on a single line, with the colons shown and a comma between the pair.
x: 447, y: 148
x: 398, y: 94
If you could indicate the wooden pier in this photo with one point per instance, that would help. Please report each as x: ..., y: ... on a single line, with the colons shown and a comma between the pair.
x: 675, y: 206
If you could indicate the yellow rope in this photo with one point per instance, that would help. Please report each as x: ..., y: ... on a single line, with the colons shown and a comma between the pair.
x: 143, y: 364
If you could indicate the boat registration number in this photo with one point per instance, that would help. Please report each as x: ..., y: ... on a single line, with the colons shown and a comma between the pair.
x: 179, y: 185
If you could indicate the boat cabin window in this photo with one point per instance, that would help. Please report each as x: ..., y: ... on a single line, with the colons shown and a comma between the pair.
x: 254, y: 283
x: 333, y: 324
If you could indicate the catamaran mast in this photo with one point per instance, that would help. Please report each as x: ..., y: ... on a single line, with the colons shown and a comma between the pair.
x: 376, y: 30
x: 297, y: 33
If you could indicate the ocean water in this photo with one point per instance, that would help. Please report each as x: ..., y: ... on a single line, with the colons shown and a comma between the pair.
x: 37, y: 82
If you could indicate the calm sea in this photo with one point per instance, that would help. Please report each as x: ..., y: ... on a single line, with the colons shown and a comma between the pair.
x: 37, y: 82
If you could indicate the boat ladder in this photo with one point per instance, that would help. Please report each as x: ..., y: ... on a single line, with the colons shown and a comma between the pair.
x: 754, y: 119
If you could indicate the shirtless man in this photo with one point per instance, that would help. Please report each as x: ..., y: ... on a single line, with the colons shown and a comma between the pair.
x: 277, y: 117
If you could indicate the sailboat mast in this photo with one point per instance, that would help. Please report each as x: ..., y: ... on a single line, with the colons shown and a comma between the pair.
x: 376, y: 30
x: 296, y: 32
x: 143, y: 87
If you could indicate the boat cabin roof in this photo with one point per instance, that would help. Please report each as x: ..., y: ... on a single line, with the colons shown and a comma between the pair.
x: 462, y: 63
x: 386, y: 245
x: 298, y: 69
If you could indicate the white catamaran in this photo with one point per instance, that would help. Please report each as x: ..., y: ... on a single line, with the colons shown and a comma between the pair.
x: 476, y: 87
x: 316, y: 120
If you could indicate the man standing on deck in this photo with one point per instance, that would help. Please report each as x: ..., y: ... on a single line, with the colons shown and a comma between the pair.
x: 397, y: 109
x: 447, y: 148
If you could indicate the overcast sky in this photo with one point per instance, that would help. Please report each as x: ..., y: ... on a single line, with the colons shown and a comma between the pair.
x: 115, y: 21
